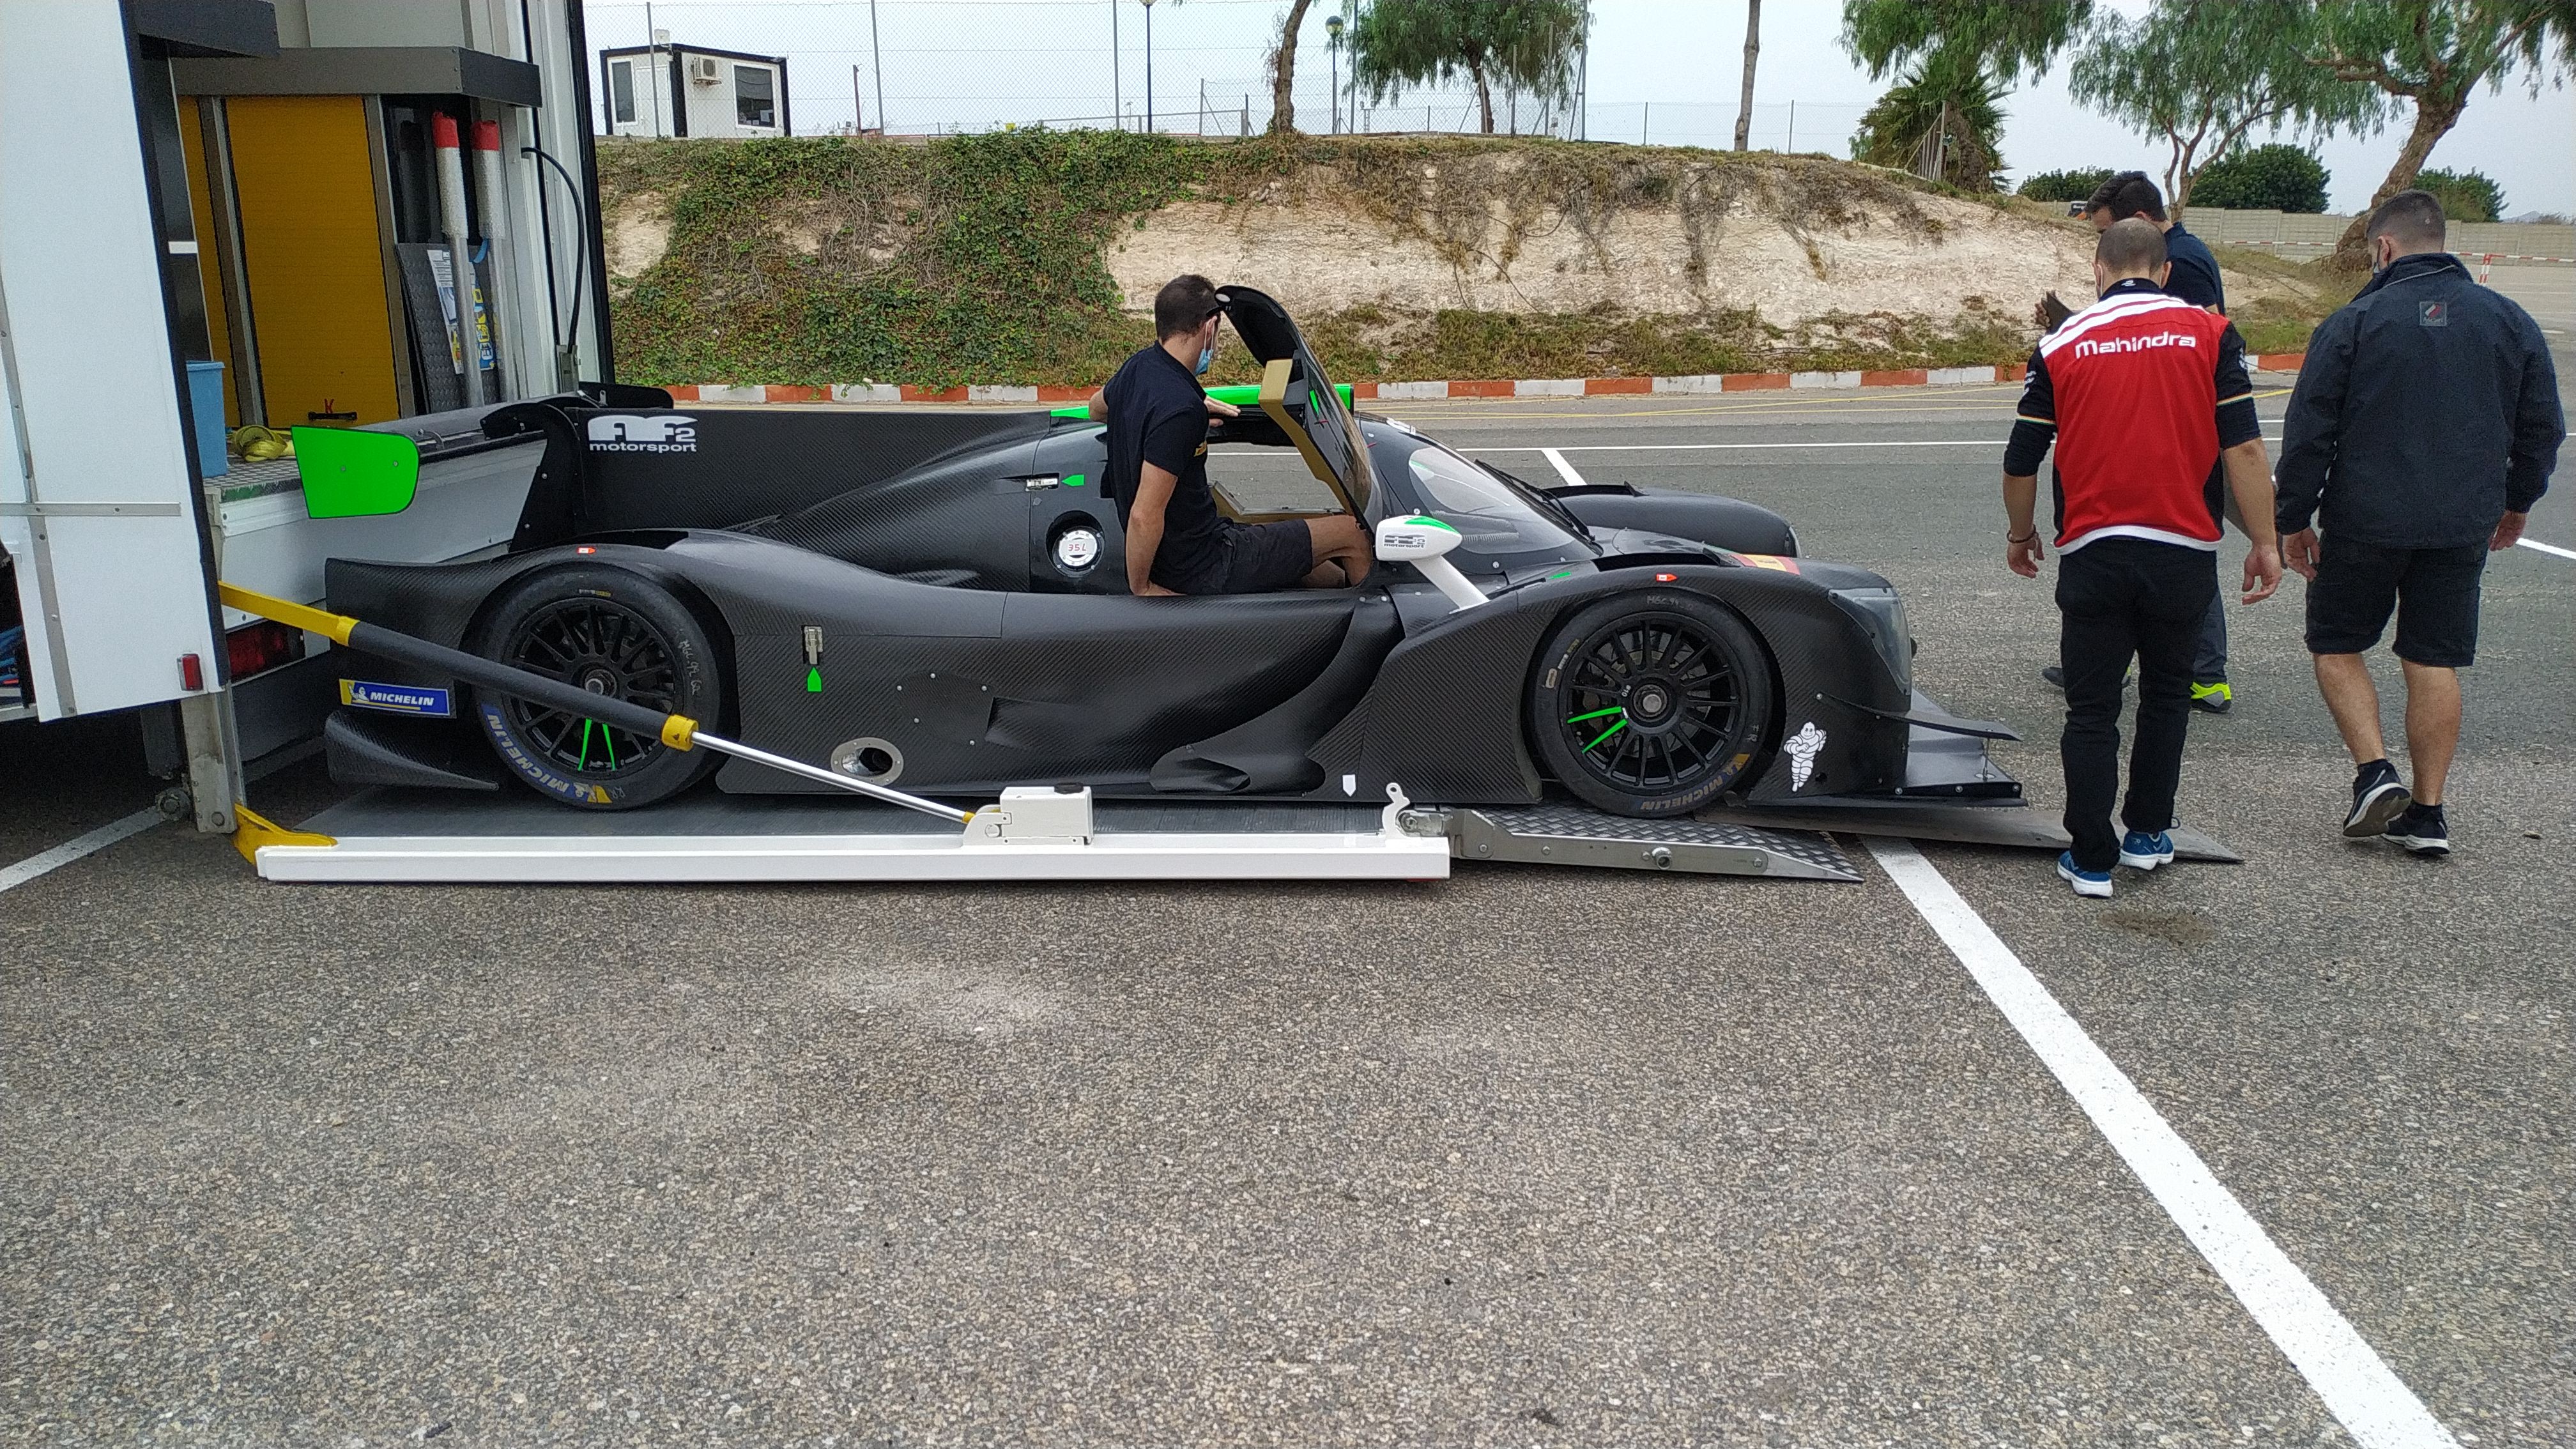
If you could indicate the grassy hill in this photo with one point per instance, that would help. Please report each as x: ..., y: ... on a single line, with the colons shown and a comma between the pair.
x: 1017, y: 257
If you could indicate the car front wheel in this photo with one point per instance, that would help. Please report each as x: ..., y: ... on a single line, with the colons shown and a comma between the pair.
x: 1650, y: 704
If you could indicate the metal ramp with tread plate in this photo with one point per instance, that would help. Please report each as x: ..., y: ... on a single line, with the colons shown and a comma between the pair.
x: 1557, y: 833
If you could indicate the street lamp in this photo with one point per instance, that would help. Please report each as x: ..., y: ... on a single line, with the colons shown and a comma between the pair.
x: 1333, y: 44
x: 1149, y: 62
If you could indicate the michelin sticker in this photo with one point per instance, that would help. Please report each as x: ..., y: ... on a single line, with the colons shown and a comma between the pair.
x: 637, y: 433
x: 398, y: 698
x: 1802, y: 749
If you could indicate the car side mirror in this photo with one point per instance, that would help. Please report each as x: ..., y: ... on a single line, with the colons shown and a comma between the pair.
x: 1422, y: 542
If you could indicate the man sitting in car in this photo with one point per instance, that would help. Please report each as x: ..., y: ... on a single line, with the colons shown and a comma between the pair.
x: 1177, y: 541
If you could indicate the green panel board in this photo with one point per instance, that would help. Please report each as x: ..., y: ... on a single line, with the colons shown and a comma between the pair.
x: 349, y: 473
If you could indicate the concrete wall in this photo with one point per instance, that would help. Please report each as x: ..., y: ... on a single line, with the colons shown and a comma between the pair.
x: 2302, y: 235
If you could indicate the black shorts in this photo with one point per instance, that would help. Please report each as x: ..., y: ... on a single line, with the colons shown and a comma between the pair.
x: 2433, y: 590
x: 1248, y: 558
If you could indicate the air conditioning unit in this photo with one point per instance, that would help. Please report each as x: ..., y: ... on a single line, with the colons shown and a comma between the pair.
x: 705, y: 70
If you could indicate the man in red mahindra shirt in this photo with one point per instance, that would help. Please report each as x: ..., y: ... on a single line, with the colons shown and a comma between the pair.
x: 2143, y: 394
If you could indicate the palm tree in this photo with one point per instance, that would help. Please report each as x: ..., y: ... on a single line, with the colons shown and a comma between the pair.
x: 1283, y: 71
x: 1752, y: 48
x: 1941, y: 121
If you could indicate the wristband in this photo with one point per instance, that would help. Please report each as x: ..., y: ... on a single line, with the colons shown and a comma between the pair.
x: 2022, y: 537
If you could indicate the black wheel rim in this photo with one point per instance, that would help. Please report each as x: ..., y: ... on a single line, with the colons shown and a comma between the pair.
x: 610, y: 650
x: 1651, y: 704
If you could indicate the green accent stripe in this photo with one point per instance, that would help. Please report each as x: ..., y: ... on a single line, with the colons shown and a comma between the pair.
x: 1605, y: 734
x: 1596, y: 714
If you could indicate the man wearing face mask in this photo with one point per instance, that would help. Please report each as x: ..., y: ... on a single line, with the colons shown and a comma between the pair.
x: 2143, y: 395
x: 2425, y: 425
x: 1177, y: 540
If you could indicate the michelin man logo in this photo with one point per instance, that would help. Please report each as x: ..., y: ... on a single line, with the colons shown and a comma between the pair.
x: 1802, y: 749
x: 629, y: 433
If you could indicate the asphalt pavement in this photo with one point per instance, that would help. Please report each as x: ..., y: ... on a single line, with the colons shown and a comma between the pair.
x: 1530, y: 1157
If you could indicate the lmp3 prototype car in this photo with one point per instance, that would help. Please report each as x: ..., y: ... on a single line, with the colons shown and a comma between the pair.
x: 938, y: 600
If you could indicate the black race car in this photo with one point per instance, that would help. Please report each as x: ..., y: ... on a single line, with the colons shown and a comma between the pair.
x: 937, y: 600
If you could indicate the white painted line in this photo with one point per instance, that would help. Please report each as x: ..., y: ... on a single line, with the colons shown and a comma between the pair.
x: 1565, y: 470
x: 14, y: 876
x: 2547, y: 547
x: 2361, y: 1391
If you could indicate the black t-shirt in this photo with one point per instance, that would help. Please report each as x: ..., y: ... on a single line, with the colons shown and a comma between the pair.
x: 1158, y: 414
x: 2194, y: 277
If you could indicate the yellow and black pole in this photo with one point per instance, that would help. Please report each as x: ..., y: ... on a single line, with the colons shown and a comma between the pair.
x: 678, y: 731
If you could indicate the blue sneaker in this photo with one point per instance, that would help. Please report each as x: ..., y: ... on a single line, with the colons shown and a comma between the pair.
x: 2086, y: 882
x: 2140, y: 850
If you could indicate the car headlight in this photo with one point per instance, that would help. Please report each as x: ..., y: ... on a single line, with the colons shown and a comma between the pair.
x: 1882, y: 614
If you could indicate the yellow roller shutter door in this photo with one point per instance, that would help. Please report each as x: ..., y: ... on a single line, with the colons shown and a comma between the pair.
x: 313, y: 257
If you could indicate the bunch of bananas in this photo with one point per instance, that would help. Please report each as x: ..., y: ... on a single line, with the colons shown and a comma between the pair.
x: 256, y: 444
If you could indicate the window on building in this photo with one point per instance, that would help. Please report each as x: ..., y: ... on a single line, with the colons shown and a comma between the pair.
x: 621, y: 91
x: 755, y: 96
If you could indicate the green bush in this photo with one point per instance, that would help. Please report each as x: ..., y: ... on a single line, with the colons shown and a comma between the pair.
x: 2064, y: 185
x: 2465, y: 195
x: 2274, y: 177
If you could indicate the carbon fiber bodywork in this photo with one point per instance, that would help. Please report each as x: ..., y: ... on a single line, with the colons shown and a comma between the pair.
x: 899, y: 588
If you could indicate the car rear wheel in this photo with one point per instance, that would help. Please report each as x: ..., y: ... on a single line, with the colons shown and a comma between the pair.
x: 1650, y: 704
x: 614, y: 634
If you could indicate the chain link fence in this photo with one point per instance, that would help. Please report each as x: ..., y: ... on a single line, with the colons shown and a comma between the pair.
x: 937, y: 67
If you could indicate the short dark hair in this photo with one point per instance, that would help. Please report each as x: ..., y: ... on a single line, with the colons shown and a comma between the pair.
x: 2131, y: 247
x: 1184, y: 305
x: 2413, y: 218
x: 2126, y: 195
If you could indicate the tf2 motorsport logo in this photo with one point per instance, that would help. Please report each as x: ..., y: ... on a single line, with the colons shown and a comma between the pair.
x: 639, y: 433
x: 398, y: 698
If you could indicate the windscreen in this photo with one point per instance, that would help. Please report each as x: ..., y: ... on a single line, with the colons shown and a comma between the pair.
x: 1492, y: 517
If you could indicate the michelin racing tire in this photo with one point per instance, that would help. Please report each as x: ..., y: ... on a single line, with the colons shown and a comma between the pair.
x: 611, y: 632
x: 1651, y: 704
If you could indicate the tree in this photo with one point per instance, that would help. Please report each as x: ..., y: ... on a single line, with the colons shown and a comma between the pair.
x: 2203, y: 73
x: 1941, y: 122
x: 2278, y: 177
x: 1283, y: 71
x: 2006, y: 36
x: 2064, y: 185
x: 1527, y: 43
x: 2465, y: 195
x: 2433, y: 54
x: 1752, y: 48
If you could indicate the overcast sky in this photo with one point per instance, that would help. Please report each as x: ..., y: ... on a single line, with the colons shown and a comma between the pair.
x: 1666, y: 70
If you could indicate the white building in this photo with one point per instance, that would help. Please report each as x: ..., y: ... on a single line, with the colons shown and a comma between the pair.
x: 690, y: 90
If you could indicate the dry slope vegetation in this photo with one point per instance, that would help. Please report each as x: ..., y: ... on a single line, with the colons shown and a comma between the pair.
x: 1031, y: 256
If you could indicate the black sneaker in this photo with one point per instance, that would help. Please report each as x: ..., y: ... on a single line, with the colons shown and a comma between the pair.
x: 2378, y: 797
x: 2054, y: 675
x: 2422, y: 830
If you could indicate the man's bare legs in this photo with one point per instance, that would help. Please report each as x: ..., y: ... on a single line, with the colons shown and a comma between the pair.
x: 2354, y: 702
x: 2432, y: 726
x: 1342, y: 552
x: 2432, y: 717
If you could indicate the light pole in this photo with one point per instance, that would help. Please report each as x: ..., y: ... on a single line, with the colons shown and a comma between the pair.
x: 1333, y: 44
x: 1149, y: 63
x: 876, y: 66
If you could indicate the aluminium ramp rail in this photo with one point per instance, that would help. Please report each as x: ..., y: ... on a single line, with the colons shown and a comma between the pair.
x: 425, y: 836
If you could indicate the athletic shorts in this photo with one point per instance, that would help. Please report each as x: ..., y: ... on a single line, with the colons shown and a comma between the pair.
x: 2434, y: 592
x: 1248, y: 558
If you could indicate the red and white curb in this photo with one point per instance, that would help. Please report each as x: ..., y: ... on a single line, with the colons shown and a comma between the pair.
x: 1700, y: 384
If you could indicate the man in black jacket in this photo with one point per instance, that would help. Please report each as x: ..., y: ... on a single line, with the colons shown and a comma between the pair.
x: 2426, y: 423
